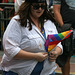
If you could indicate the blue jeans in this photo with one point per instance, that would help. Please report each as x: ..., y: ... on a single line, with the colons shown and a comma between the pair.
x: 9, y: 73
x: 13, y: 73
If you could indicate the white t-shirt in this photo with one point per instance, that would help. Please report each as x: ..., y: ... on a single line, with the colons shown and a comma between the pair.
x: 17, y: 4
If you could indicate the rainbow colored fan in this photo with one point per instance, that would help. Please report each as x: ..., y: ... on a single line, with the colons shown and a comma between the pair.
x: 54, y: 39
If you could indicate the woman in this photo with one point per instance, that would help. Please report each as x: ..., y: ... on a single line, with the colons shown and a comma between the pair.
x: 24, y: 38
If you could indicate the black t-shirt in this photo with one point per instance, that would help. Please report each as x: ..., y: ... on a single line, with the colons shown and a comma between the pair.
x: 68, y: 15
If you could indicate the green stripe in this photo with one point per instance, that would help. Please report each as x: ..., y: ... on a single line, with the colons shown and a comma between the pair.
x: 60, y: 35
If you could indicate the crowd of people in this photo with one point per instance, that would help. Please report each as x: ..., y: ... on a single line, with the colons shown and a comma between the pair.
x: 6, y: 12
x: 26, y: 33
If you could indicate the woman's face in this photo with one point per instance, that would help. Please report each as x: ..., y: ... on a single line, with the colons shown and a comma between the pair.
x: 37, y: 9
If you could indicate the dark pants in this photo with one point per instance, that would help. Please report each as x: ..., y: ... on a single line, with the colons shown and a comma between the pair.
x: 9, y: 73
x: 12, y: 73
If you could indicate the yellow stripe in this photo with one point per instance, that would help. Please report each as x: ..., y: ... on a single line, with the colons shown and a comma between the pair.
x: 43, y: 31
x: 65, y: 33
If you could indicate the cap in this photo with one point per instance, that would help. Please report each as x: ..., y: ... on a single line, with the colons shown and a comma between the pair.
x: 35, y: 1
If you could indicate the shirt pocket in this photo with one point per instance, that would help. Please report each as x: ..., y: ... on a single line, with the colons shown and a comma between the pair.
x: 34, y: 41
x: 49, y: 32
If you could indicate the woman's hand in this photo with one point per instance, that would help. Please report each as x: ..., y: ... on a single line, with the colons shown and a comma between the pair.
x: 53, y: 55
x: 41, y: 56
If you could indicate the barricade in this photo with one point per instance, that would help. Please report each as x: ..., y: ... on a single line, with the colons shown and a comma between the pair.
x: 5, y: 16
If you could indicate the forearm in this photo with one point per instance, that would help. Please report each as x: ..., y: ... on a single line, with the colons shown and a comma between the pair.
x: 25, y: 55
x: 58, y: 18
x: 40, y: 56
x: 57, y: 15
x: 58, y: 50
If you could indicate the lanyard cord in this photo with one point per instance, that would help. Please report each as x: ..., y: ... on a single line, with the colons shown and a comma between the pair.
x: 43, y: 32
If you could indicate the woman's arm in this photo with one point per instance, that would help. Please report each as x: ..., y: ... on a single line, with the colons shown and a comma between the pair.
x: 40, y: 56
x: 11, y: 44
x: 54, y: 54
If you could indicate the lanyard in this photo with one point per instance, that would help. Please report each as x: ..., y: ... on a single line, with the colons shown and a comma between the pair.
x: 43, y: 33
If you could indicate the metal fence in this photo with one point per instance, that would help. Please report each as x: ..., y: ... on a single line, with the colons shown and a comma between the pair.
x: 5, y: 16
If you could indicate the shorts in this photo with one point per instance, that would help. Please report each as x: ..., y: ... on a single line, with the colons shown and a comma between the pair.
x: 67, y: 52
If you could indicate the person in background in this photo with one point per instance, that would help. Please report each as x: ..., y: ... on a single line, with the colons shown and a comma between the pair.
x: 8, y: 1
x: 8, y: 11
x: 64, y: 13
x: 18, y: 4
x: 0, y: 7
x: 0, y: 22
x: 24, y: 39
x: 11, y: 1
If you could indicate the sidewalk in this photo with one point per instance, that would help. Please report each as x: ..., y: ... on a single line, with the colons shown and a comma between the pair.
x: 72, y: 70
x: 58, y: 70
x: 72, y: 67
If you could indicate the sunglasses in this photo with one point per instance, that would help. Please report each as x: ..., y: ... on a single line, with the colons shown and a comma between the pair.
x: 35, y: 7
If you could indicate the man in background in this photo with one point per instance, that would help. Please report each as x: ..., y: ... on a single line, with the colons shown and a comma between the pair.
x: 64, y: 13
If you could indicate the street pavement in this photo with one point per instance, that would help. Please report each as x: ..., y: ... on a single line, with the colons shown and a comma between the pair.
x: 58, y: 70
x: 72, y: 67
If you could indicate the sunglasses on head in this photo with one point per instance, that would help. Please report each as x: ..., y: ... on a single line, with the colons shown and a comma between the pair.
x: 35, y: 7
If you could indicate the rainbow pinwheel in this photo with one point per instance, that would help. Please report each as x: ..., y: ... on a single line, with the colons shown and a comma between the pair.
x: 54, y: 39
